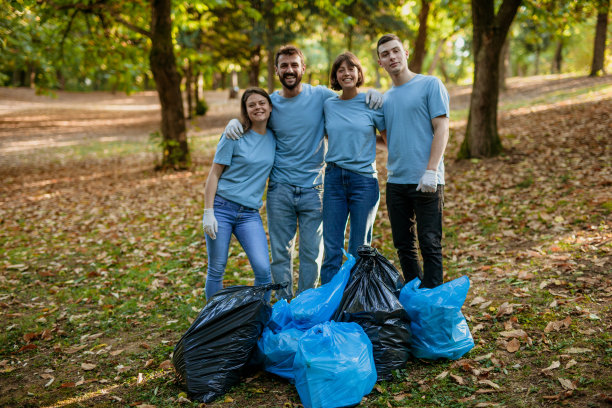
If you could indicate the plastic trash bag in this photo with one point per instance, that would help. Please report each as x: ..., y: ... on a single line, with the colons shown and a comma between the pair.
x: 439, y: 329
x: 212, y: 353
x: 276, y: 351
x: 318, y: 305
x: 281, y: 316
x: 334, y: 366
x: 370, y: 301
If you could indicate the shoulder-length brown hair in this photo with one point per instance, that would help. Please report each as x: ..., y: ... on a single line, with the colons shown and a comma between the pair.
x: 246, y: 122
x: 352, y: 61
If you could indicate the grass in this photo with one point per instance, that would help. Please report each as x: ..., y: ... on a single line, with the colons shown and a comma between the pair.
x: 99, y: 244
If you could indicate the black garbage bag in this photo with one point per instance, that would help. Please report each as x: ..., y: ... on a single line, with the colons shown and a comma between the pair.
x: 210, y: 357
x: 371, y: 300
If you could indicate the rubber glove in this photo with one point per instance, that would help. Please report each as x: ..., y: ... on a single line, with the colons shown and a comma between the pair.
x: 234, y: 130
x: 209, y: 222
x: 429, y: 182
x: 374, y: 99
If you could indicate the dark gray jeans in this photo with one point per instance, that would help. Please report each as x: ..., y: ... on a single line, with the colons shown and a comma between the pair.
x: 417, y: 215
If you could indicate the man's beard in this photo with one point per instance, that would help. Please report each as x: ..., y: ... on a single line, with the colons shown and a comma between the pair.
x: 298, y: 79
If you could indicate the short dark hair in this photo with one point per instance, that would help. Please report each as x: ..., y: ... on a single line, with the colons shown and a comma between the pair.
x: 386, y: 38
x: 288, y: 49
x: 352, y: 61
x: 243, y: 110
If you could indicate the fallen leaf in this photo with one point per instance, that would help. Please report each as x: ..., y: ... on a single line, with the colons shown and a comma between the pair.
x: 73, y: 350
x: 67, y: 385
x: 505, y: 309
x: 116, y: 352
x: 567, y: 384
x: 166, y: 365
x: 458, y: 379
x: 490, y: 384
x: 49, y: 382
x: 148, y: 363
x: 228, y: 399
x: 577, y: 350
x: 477, y: 300
x: 88, y: 366
x: 483, y: 357
x: 27, y: 347
x: 558, y: 325
x: 513, y: 346
x: 140, y: 378
x: 552, y: 366
x: 442, y: 375
x: 571, y: 363
x: 519, y: 333
x: 28, y: 337
x: 486, y: 404
x: 401, y: 396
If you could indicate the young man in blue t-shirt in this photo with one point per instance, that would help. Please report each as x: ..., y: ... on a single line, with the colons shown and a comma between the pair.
x: 295, y: 189
x: 416, y: 113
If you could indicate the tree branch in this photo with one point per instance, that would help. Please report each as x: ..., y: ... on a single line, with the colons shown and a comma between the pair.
x: 131, y: 26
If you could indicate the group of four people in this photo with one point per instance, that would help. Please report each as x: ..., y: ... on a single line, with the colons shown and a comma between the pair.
x: 282, y: 137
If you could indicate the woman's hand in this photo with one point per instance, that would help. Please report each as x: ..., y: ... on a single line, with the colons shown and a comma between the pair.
x: 209, y: 222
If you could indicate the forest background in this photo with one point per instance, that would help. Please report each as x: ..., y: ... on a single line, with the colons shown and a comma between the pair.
x: 102, y: 260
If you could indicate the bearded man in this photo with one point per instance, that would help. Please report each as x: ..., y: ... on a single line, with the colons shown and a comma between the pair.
x: 295, y: 189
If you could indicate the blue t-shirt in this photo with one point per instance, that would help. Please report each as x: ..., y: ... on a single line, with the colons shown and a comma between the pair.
x: 409, y: 109
x: 249, y: 161
x: 298, y: 126
x: 351, y: 134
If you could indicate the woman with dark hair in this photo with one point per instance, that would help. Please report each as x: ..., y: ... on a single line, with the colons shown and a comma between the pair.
x: 234, y: 191
x: 351, y: 185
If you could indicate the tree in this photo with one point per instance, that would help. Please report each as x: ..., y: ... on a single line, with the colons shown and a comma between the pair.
x: 599, y: 45
x: 419, y: 49
x: 490, y: 30
x: 175, y: 150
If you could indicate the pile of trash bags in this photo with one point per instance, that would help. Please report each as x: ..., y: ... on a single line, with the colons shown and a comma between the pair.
x: 333, y: 342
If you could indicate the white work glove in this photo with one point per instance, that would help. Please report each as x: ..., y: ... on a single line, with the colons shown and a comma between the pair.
x: 429, y: 182
x: 234, y: 130
x: 374, y: 99
x: 209, y: 222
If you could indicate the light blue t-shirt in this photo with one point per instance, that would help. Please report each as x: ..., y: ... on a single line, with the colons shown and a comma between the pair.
x: 409, y: 109
x: 351, y: 134
x: 298, y: 126
x: 249, y: 161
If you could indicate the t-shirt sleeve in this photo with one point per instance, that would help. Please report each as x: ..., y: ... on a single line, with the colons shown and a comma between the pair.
x: 378, y: 118
x: 438, y: 99
x: 325, y: 93
x: 225, y: 151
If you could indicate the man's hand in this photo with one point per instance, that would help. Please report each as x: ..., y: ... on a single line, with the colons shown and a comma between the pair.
x: 209, y: 222
x: 374, y: 99
x: 234, y: 130
x: 429, y: 182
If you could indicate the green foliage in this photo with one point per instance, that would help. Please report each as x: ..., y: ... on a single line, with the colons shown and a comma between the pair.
x: 201, y: 108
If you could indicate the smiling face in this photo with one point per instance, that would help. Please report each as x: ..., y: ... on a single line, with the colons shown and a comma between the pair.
x: 392, y: 57
x: 258, y: 108
x: 290, y: 70
x: 347, y: 76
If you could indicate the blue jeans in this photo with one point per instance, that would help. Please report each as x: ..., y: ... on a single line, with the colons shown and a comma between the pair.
x: 245, y: 223
x: 416, y: 217
x: 287, y: 207
x: 346, y: 195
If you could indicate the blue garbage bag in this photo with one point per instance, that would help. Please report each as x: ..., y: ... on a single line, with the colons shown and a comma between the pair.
x: 277, y: 351
x: 281, y: 316
x: 318, y: 305
x: 439, y: 329
x: 334, y: 365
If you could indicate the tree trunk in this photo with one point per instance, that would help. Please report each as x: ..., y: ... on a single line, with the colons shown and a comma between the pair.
x: 377, y: 83
x: 558, y: 58
x: 436, y: 57
x: 196, y: 90
x: 189, y: 88
x: 504, y: 64
x: 418, y: 54
x: 233, y: 92
x: 271, y: 72
x: 168, y: 84
x: 537, y: 61
x: 490, y: 30
x: 599, y: 45
x: 254, y: 66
